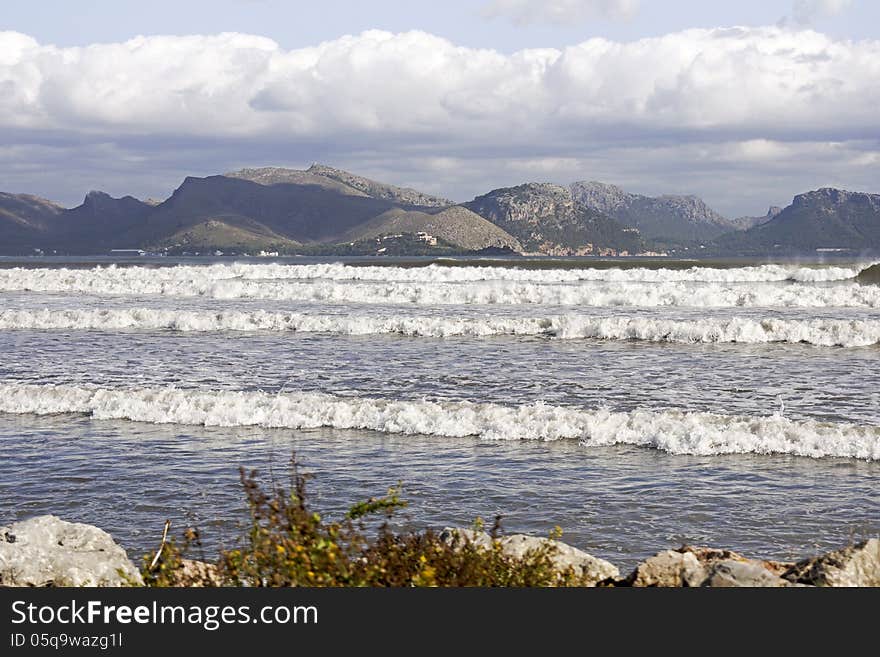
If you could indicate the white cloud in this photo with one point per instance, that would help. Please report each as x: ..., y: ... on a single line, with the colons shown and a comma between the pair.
x: 208, y: 102
x: 759, y: 82
x: 805, y: 11
x: 526, y: 12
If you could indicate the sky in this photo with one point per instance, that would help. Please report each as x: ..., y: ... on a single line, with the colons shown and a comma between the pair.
x: 744, y: 104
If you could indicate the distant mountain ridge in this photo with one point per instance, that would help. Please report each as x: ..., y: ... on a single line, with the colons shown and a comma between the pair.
x: 251, y: 210
x: 24, y: 217
x: 825, y: 218
x: 291, y: 210
x: 668, y: 218
x: 744, y: 223
x: 342, y: 181
x: 545, y: 218
x: 102, y: 218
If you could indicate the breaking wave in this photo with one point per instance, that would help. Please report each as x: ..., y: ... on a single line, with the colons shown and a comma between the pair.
x: 445, y: 274
x: 435, y: 274
x: 677, y: 432
x: 818, y: 332
x: 219, y: 283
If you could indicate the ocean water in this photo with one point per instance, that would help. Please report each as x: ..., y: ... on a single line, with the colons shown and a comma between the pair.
x: 639, y: 405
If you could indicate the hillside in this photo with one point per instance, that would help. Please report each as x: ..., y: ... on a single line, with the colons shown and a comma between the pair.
x: 744, y: 223
x: 545, y: 218
x: 342, y: 182
x: 280, y: 176
x: 25, y: 218
x: 663, y: 218
x: 214, y: 234
x: 399, y: 195
x: 99, y: 221
x: 264, y: 208
x: 301, y: 213
x: 826, y: 218
x: 327, y: 210
x: 456, y: 225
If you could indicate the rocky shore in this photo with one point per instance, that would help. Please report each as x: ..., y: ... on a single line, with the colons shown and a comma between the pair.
x: 48, y: 551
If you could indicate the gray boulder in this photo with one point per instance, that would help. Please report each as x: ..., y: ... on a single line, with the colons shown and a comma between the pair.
x: 857, y: 565
x: 669, y: 568
x: 729, y: 573
x: 48, y: 551
x: 708, y: 567
x: 592, y: 569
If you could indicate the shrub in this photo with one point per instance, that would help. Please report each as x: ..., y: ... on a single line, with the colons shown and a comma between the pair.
x: 289, y: 544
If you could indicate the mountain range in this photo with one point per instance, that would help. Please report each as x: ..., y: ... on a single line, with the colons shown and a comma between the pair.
x: 324, y: 209
x: 547, y: 219
x: 827, y: 219
x: 671, y: 219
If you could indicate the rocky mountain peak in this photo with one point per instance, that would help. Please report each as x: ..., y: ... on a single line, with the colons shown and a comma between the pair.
x: 831, y: 197
x: 825, y: 218
x: 325, y: 170
x: 537, y: 188
x: 403, y: 195
x: 744, y: 223
x: 601, y: 196
x: 692, y: 208
x: 96, y: 196
x: 102, y: 201
x: 662, y: 217
x: 529, y: 202
x: 342, y: 182
x: 545, y: 218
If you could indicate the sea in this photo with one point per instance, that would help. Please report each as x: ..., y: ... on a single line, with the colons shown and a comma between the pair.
x: 638, y: 404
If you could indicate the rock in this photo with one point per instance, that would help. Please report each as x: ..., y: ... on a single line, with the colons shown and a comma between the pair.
x: 702, y: 566
x: 670, y: 568
x: 453, y: 536
x: 48, y: 551
x: 729, y: 573
x: 592, y: 569
x: 857, y: 565
x: 198, y: 574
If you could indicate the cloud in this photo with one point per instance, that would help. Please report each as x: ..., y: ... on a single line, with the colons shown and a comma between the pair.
x: 411, y: 86
x: 805, y: 11
x: 527, y: 12
x: 390, y: 104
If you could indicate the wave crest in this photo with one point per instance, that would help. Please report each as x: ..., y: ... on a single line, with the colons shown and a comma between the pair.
x: 817, y: 332
x: 674, y: 431
x: 217, y: 283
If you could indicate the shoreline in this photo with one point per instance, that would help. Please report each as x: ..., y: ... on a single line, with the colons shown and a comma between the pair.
x: 48, y: 551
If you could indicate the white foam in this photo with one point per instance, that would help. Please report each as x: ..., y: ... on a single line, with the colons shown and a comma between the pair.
x: 818, y: 332
x: 445, y: 274
x: 439, y: 274
x: 218, y: 282
x: 677, y: 432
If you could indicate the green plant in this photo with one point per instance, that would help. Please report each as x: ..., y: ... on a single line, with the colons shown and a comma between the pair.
x: 289, y: 544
